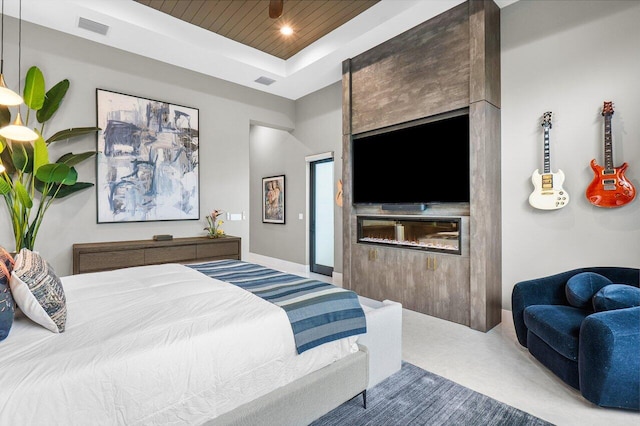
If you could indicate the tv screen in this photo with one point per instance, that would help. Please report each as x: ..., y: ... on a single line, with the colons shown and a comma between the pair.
x: 426, y: 163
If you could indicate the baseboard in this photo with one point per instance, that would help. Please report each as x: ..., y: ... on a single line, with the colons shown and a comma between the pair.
x: 279, y: 264
x: 336, y: 278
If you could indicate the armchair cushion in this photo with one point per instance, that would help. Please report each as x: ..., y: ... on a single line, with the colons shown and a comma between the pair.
x: 616, y: 296
x: 558, y: 326
x: 581, y: 287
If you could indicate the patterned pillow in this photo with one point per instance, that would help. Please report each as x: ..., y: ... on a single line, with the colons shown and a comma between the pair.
x: 38, y: 291
x: 7, y: 305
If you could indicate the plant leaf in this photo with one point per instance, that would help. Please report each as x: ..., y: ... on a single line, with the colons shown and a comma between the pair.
x: 71, y: 159
x: 22, y: 156
x: 72, y: 133
x: 5, y: 116
x: 65, y: 190
x: 23, y: 195
x: 5, y: 187
x: 40, y: 153
x: 34, y: 89
x: 52, y: 101
x: 71, y: 178
x: 53, y: 173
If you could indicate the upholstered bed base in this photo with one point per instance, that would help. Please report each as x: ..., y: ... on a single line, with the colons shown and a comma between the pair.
x: 306, y: 399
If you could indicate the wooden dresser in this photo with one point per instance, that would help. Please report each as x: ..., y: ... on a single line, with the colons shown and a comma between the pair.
x: 94, y: 257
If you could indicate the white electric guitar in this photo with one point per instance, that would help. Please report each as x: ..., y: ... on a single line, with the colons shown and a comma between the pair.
x: 548, y: 193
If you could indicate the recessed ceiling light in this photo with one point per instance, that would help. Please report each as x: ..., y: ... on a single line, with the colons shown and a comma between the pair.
x: 286, y: 30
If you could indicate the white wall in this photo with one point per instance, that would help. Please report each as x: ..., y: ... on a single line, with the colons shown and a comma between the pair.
x: 568, y: 57
x: 225, y: 113
x: 275, y: 152
x: 318, y: 129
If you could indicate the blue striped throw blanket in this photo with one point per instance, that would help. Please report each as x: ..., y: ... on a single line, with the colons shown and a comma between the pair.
x: 319, y: 312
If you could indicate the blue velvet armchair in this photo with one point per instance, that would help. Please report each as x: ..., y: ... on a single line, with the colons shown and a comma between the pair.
x: 595, y: 352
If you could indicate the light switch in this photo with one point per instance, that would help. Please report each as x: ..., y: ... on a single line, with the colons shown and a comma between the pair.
x: 236, y: 216
x: 300, y: 216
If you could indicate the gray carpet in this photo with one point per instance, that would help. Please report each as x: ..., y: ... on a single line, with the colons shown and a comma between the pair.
x: 414, y: 396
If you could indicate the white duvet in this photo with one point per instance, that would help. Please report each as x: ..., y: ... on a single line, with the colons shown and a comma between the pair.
x: 151, y: 345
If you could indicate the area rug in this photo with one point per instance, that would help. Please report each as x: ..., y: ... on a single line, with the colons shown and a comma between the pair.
x: 414, y: 396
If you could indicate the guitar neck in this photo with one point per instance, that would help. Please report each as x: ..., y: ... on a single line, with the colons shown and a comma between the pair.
x: 608, y: 145
x: 547, y: 156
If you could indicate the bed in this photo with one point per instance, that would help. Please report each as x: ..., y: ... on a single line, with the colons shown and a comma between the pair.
x: 164, y: 344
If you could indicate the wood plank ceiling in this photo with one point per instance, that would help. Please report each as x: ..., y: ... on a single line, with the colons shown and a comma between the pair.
x: 248, y: 22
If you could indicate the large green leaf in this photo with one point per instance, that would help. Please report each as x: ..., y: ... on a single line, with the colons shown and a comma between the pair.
x: 72, y: 133
x: 71, y: 159
x: 53, y: 173
x: 23, y: 195
x: 5, y: 187
x: 70, y: 189
x: 71, y: 178
x: 34, y: 89
x: 40, y: 153
x: 22, y: 156
x: 65, y: 190
x: 5, y: 116
x: 52, y: 101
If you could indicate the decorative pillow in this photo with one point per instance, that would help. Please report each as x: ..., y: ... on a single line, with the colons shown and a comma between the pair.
x: 7, y: 305
x: 581, y: 287
x: 616, y: 296
x: 38, y: 291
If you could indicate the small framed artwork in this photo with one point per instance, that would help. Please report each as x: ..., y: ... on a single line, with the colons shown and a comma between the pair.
x: 147, y: 162
x: 273, y: 200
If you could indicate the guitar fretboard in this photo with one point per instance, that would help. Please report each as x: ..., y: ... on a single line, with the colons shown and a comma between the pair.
x: 547, y: 156
x: 608, y: 145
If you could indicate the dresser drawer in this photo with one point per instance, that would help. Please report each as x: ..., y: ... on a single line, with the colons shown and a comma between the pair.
x: 169, y: 254
x: 221, y: 249
x: 93, y: 262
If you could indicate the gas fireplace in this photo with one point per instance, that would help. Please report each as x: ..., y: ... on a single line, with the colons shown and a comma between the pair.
x: 428, y: 233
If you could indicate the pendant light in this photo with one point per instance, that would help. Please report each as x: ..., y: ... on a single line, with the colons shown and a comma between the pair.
x: 7, y: 96
x: 17, y: 131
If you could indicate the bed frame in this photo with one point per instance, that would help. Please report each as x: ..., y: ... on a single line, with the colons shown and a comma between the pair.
x: 306, y: 399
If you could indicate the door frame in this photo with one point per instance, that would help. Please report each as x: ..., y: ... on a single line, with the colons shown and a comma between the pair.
x: 313, y: 266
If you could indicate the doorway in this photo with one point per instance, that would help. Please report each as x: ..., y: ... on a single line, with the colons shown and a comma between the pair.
x: 321, y: 226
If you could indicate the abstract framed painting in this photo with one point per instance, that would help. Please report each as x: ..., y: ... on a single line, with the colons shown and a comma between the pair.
x: 147, y: 162
x: 273, y: 201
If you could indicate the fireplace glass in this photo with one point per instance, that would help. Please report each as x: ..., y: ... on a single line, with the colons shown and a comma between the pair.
x: 431, y: 234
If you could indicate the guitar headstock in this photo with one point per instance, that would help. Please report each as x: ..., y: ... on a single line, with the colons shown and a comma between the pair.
x: 546, y: 120
x: 607, y: 109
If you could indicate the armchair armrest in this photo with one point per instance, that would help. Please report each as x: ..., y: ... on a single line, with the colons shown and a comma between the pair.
x: 540, y: 291
x: 609, y: 361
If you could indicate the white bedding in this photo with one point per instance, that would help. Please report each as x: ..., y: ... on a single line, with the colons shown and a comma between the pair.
x: 151, y: 345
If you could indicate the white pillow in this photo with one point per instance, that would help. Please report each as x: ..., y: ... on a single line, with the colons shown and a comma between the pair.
x: 38, y: 291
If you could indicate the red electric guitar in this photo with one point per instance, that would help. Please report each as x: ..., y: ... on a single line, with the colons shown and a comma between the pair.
x: 609, y: 188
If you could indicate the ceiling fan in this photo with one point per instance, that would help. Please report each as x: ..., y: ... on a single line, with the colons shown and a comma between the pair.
x: 275, y: 8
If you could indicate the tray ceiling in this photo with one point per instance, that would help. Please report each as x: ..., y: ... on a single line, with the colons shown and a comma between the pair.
x: 248, y: 22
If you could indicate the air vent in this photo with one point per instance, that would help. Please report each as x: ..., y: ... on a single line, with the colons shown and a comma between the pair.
x: 265, y: 80
x: 93, y: 26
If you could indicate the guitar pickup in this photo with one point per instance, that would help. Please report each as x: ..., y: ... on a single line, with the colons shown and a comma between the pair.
x: 609, y: 182
x: 608, y: 172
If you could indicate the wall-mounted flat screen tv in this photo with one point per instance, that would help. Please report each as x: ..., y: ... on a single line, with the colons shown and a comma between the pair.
x: 425, y: 163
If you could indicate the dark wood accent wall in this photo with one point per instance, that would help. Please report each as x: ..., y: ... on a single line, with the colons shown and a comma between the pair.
x: 448, y: 63
x: 94, y: 257
x: 422, y: 72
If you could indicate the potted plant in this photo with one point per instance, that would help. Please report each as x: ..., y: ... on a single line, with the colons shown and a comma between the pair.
x: 25, y: 167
